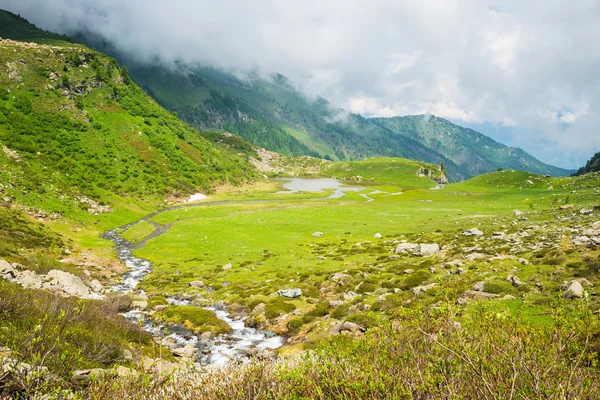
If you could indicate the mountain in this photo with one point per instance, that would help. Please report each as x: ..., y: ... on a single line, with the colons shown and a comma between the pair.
x: 272, y: 112
x: 473, y: 151
x: 74, y: 128
x: 593, y: 165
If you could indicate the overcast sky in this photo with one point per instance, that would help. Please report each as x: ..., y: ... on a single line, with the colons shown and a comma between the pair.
x: 526, y: 73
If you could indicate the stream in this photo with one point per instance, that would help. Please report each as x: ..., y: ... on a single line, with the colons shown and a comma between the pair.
x: 242, y: 341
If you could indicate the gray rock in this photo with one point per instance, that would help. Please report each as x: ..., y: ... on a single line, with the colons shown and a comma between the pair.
x: 478, y: 286
x: 409, y: 271
x: 377, y: 235
x: 422, y: 289
x: 427, y: 250
x: 290, y: 293
x: 335, y: 303
x: 572, y: 290
x: 70, y: 284
x: 514, y: 280
x: 473, y: 232
x: 227, y: 267
x: 346, y: 326
x: 95, y: 285
x: 341, y: 278
x: 85, y: 376
x: 404, y: 248
x: 348, y: 296
x: 187, y: 351
x: 317, y: 234
x: 197, y: 284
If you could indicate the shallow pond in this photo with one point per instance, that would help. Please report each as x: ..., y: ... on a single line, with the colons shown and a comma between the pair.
x: 296, y: 185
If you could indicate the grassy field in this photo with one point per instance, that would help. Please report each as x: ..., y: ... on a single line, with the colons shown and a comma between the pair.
x: 267, y: 238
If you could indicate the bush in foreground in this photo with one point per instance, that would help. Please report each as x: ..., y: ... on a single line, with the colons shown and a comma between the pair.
x: 490, y: 356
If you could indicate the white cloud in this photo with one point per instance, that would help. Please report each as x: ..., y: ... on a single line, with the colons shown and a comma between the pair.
x: 527, y: 65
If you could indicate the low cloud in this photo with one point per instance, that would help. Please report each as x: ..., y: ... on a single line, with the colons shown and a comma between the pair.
x: 531, y: 66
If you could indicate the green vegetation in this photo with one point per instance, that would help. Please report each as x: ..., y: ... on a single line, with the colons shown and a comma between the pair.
x: 48, y: 331
x: 490, y: 356
x: 274, y: 114
x: 195, y: 318
x: 593, y: 165
x: 138, y: 232
x: 18, y: 28
x: 91, y: 132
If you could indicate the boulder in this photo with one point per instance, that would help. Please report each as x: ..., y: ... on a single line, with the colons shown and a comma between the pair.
x: 187, y: 351
x: 404, y: 248
x: 139, y: 305
x: 572, y: 290
x: 422, y: 289
x: 29, y: 280
x: 197, y: 284
x: 290, y: 293
x: 579, y: 240
x: 514, y: 280
x: 227, y: 267
x: 346, y: 326
x: 82, y: 377
x: 317, y: 234
x: 498, y: 235
x: 341, y: 278
x: 348, y: 296
x: 7, y: 271
x: 518, y: 213
x: 478, y: 286
x: 408, y: 271
x: 125, y: 372
x: 335, y: 303
x: 95, y: 285
x: 377, y: 235
x: 427, y: 250
x: 68, y: 283
x: 473, y: 232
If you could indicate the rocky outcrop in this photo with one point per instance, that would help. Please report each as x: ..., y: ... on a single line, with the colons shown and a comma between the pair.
x: 56, y: 281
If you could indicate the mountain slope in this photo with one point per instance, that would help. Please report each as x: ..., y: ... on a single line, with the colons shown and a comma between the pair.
x: 475, y: 152
x: 73, y: 123
x: 593, y: 165
x: 18, y: 28
x: 271, y: 112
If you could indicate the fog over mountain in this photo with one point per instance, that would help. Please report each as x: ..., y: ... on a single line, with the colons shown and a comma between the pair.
x: 523, y: 72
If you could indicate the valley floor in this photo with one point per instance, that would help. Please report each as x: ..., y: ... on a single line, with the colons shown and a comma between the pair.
x: 390, y: 291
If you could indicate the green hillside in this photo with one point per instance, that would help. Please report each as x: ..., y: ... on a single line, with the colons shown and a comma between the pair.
x: 73, y: 123
x: 593, y: 165
x: 18, y: 28
x: 272, y: 113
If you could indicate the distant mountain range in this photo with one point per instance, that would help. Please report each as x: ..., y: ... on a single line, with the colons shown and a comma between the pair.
x: 272, y: 113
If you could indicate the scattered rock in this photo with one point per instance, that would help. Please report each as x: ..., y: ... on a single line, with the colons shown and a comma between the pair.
x: 409, y: 271
x: 290, y: 293
x: 478, y: 286
x: 427, y: 250
x: 346, y: 326
x: 227, y: 267
x: 341, y: 278
x: 197, y: 284
x: 572, y: 290
x: 514, y: 280
x: 317, y: 234
x: 377, y: 236
x: 404, y: 248
x: 422, y: 289
x: 473, y: 232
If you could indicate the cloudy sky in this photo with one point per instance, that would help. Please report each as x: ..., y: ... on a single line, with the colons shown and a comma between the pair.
x: 526, y: 73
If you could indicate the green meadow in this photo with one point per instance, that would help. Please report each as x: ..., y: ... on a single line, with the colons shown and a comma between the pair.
x: 267, y: 237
